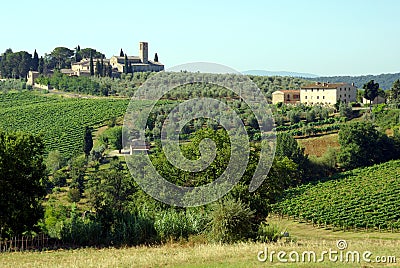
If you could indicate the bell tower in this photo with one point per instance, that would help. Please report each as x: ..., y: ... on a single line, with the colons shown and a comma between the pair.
x: 144, y: 52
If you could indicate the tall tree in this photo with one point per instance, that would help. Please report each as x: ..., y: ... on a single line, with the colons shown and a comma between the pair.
x: 116, y: 138
x: 78, y: 56
x: 41, y: 65
x: 91, y: 66
x: 121, y: 53
x: 102, y: 68
x: 362, y: 145
x: 371, y: 92
x: 109, y: 70
x: 62, y: 57
x: 395, y: 93
x: 22, y: 182
x: 126, y: 64
x: 86, y: 52
x: 98, y: 68
x: 156, y: 57
x: 87, y: 141
x: 35, y: 61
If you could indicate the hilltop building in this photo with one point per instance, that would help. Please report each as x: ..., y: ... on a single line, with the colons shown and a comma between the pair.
x: 327, y: 93
x: 139, y: 63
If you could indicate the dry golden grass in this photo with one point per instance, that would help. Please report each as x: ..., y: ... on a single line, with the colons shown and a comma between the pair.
x: 319, y: 145
x: 198, y: 254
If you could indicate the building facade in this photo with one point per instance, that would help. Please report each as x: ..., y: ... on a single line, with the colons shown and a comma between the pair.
x: 139, y: 63
x: 328, y: 93
x: 286, y: 96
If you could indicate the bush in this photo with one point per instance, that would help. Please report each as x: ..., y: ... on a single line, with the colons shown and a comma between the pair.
x: 60, y: 178
x: 74, y: 195
x: 175, y: 225
x: 268, y: 233
x: 231, y: 221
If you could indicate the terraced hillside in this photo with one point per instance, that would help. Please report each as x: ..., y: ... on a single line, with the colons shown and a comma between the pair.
x: 361, y: 198
x: 61, y: 121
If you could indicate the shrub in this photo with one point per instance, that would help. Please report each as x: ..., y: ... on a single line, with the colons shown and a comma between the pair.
x: 231, y: 221
x: 268, y: 233
x: 171, y: 224
x: 74, y: 195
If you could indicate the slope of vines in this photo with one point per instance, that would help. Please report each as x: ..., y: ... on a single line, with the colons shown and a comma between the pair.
x: 361, y: 198
x: 61, y: 121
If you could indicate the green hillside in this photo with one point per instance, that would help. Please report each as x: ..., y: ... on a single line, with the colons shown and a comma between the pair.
x: 61, y: 120
x: 385, y: 80
x: 361, y: 198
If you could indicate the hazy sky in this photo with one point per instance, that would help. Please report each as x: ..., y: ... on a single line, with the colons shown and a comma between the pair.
x: 335, y: 37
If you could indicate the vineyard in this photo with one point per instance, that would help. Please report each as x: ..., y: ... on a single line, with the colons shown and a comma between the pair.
x: 61, y: 121
x: 361, y: 198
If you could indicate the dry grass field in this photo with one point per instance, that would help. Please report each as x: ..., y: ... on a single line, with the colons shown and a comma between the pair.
x: 319, y: 145
x: 198, y: 254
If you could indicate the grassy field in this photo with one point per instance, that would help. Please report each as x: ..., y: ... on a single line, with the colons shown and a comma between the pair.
x: 198, y: 254
x: 319, y: 145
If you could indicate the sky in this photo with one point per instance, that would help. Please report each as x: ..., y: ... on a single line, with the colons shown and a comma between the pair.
x: 326, y: 38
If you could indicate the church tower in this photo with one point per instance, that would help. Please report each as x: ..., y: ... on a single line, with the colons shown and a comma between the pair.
x: 144, y: 52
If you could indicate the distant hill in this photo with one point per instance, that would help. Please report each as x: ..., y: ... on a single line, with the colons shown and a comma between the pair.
x: 385, y: 80
x: 281, y: 73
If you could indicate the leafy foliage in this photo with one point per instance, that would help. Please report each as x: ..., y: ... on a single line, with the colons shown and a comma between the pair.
x: 362, y: 145
x: 22, y: 182
x: 231, y: 221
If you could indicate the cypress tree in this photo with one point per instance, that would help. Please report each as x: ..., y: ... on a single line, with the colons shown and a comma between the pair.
x: 121, y: 53
x: 98, y: 68
x: 87, y: 141
x: 78, y: 56
x: 35, y: 61
x: 91, y: 65
x: 156, y: 57
x: 41, y: 65
x: 109, y: 70
x: 126, y: 65
x: 102, y: 69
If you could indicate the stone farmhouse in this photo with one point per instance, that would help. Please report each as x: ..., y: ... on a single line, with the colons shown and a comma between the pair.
x: 327, y: 93
x: 317, y: 93
x: 286, y: 96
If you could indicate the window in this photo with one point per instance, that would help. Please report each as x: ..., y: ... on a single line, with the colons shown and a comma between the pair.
x: 317, y: 89
x: 323, y: 97
x: 312, y: 90
x: 317, y: 97
x: 305, y: 97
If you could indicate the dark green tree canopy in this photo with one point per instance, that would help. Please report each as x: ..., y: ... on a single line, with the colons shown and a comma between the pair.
x: 86, y: 52
x: 87, y: 141
x: 395, y: 92
x: 61, y: 57
x: 371, y: 90
x: 362, y: 145
x: 22, y: 182
x: 35, y: 61
x: 156, y: 57
x: 15, y: 65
